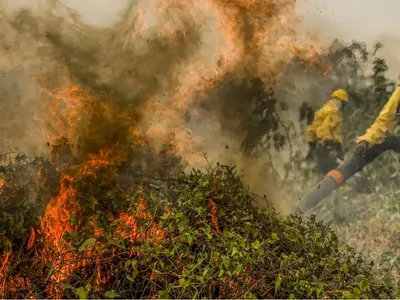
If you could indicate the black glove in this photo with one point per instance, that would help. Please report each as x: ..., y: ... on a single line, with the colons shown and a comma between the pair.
x: 361, y: 148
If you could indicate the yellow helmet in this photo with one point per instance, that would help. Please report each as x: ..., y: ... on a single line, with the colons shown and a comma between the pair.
x: 341, y: 95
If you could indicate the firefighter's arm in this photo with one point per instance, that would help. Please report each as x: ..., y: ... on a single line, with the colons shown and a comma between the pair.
x: 384, y: 123
x: 374, y: 135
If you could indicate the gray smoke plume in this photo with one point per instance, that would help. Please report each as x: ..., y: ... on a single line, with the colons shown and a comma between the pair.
x: 187, y: 71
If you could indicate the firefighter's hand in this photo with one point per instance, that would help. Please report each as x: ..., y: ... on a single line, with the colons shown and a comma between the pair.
x: 361, y: 148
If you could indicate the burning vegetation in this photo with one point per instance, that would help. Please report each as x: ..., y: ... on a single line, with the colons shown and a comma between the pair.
x: 192, y: 236
x: 109, y: 209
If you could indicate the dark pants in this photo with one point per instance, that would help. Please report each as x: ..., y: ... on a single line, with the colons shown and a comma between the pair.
x: 358, y: 162
x: 325, y: 163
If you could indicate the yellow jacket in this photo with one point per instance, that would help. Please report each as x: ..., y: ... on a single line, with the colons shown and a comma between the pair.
x: 326, y: 125
x: 385, y: 123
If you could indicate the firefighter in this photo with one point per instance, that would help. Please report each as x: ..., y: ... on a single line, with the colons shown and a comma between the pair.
x: 377, y: 139
x: 380, y: 136
x: 324, y: 135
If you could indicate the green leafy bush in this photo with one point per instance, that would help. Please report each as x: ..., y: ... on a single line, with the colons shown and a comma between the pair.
x: 199, y: 236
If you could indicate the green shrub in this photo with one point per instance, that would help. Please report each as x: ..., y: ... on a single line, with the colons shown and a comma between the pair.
x: 181, y: 245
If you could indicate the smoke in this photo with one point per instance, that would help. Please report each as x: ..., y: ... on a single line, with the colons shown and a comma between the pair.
x: 120, y: 62
x: 182, y: 72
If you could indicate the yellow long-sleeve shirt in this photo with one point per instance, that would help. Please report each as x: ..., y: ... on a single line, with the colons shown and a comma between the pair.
x: 326, y: 125
x: 386, y: 122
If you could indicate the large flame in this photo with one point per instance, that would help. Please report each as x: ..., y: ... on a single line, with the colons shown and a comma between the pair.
x: 91, y: 133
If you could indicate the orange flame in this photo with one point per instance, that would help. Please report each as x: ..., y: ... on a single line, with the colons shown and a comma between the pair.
x: 249, y: 38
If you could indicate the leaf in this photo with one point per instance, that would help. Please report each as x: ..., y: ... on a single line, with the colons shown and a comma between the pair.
x: 115, y: 223
x: 82, y: 293
x: 135, y: 272
x: 250, y: 295
x: 153, y: 196
x: 207, y: 231
x: 134, y: 263
x: 359, y: 278
x: 189, y: 238
x: 226, y: 261
x: 221, y: 273
x: 345, y: 268
x: 356, y: 293
x: 164, y: 295
x: 73, y: 220
x: 347, y: 295
x: 128, y: 263
x: 278, y: 283
x: 364, y: 285
x: 51, y: 272
x: 234, y: 251
x: 275, y: 236
x: 310, y: 291
x: 90, y: 242
x: 318, y: 290
x: 239, y: 268
x: 256, y: 245
x: 111, y: 294
x: 184, y: 282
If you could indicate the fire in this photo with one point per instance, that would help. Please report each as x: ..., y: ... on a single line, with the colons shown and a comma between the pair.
x: 57, y: 217
x: 63, y: 217
x: 128, y: 227
x: 2, y: 183
x: 54, y: 225
x: 52, y: 241
x: 65, y: 110
x: 91, y: 135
